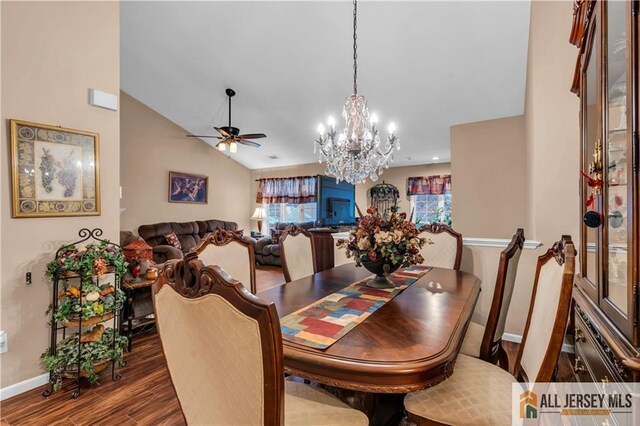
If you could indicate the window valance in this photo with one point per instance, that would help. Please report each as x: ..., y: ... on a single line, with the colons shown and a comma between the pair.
x: 425, y: 185
x: 294, y: 190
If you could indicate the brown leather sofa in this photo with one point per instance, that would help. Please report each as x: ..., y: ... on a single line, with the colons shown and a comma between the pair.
x: 268, y: 250
x: 189, y: 234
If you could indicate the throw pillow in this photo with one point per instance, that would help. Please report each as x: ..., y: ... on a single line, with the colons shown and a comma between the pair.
x: 172, y: 239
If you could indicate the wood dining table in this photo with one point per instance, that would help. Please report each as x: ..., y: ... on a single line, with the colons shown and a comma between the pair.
x: 409, y: 344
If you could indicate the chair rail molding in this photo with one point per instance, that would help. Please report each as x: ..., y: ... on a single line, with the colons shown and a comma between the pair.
x: 497, y: 242
x: 474, y: 241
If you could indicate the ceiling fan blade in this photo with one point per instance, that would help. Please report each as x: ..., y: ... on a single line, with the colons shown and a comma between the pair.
x: 204, y: 136
x: 252, y: 136
x: 222, y: 132
x: 248, y: 143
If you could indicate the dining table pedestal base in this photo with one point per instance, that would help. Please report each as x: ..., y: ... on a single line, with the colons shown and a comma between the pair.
x: 381, y: 408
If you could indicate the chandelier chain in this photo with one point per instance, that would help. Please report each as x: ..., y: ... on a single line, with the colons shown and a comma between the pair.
x: 355, y: 47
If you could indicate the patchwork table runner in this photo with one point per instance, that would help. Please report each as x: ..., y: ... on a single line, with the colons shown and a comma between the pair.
x: 324, y: 322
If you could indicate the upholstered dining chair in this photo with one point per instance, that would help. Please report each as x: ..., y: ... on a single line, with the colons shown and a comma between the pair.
x: 478, y: 392
x: 223, y: 349
x: 230, y: 251
x: 296, y: 253
x: 444, y: 249
x: 485, y: 341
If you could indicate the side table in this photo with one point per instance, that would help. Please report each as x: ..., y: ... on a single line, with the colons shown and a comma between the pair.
x: 143, y: 322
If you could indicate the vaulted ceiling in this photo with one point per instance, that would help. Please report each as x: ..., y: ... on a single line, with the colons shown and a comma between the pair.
x: 423, y: 65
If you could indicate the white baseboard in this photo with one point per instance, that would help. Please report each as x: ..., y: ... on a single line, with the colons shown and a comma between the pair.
x: 23, y: 386
x: 516, y: 338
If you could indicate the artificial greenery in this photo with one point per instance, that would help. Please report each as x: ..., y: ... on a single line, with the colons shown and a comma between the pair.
x: 72, y: 305
x: 88, y: 261
x: 67, y: 356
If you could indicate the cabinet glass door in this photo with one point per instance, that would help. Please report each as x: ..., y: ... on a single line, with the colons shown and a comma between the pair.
x: 616, y: 158
x: 590, y: 129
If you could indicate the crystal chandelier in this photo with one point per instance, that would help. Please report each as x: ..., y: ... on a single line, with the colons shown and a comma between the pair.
x: 355, y: 153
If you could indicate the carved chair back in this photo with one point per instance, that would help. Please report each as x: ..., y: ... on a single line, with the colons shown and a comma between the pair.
x: 222, y: 345
x: 548, y: 313
x: 231, y: 252
x: 446, y: 250
x: 505, y: 283
x: 296, y: 253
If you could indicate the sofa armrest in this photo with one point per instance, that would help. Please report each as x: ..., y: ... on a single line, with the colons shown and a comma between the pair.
x: 166, y: 252
x: 264, y: 241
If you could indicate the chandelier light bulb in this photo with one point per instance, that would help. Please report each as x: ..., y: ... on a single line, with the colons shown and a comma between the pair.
x: 392, y: 128
x: 233, y: 147
x: 222, y: 146
x: 331, y: 122
x: 320, y: 129
x: 374, y: 118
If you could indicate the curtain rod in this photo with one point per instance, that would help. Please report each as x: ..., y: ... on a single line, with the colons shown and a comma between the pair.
x: 282, y: 178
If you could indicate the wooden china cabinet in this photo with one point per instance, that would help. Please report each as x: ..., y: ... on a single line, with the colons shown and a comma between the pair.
x: 606, y: 291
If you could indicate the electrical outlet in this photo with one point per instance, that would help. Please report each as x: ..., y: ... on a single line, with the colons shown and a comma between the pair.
x: 28, y: 278
x: 4, y: 345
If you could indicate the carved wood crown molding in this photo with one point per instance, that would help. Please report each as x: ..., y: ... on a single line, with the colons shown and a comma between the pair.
x: 193, y: 279
x: 295, y: 230
x: 560, y: 250
x: 219, y: 237
x: 437, y: 228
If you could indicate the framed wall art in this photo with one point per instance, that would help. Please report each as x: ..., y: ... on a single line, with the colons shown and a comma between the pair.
x: 55, y: 171
x: 188, y: 188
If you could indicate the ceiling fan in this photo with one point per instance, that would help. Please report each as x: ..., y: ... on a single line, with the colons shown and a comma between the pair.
x: 230, y: 136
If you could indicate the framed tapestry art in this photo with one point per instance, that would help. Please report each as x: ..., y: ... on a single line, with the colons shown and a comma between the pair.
x: 55, y: 171
x: 188, y: 188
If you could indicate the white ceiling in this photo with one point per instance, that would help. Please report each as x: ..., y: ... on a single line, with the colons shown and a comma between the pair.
x: 423, y: 65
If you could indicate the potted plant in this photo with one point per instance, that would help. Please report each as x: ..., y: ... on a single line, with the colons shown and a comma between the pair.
x: 382, y: 245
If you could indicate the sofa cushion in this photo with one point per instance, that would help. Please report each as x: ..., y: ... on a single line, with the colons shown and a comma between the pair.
x: 172, y: 240
x: 154, y: 234
x: 207, y: 226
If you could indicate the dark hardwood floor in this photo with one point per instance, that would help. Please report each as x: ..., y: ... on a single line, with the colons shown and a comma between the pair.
x: 144, y: 395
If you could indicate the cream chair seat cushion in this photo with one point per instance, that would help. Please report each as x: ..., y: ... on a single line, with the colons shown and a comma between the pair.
x: 298, y: 256
x: 472, y: 340
x: 307, y: 405
x: 476, y: 394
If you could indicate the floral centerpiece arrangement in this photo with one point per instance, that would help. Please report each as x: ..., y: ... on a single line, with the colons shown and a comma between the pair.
x: 90, y: 263
x: 382, y: 245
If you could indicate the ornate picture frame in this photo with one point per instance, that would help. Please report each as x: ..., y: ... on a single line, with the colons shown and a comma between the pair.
x: 54, y: 171
x: 188, y: 188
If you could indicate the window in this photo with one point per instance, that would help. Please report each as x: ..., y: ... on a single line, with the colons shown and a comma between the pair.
x: 431, y: 208
x: 295, y: 213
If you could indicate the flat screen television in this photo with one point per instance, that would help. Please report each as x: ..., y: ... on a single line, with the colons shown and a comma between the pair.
x: 340, y: 210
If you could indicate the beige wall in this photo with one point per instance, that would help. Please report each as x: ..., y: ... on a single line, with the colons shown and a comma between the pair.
x: 489, y: 177
x: 551, y: 155
x: 395, y: 175
x: 151, y: 147
x: 52, y: 53
x: 553, y: 133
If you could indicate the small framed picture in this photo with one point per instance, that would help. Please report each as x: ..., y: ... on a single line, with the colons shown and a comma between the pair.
x: 54, y: 171
x: 188, y: 188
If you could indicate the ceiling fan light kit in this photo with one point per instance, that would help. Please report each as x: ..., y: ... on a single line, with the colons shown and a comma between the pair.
x: 355, y: 153
x: 230, y: 136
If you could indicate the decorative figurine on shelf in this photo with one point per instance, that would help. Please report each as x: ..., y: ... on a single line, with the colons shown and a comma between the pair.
x: 594, y: 176
x: 384, y: 197
x: 138, y: 253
